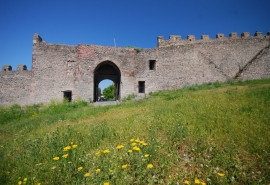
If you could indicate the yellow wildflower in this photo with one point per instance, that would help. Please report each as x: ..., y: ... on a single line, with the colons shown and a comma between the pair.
x: 111, y: 171
x: 80, y: 168
x: 221, y: 174
x: 106, y: 151
x: 129, y: 151
x: 146, y: 155
x: 150, y: 166
x: 67, y: 148
x: 71, y: 142
x: 74, y: 146
x: 120, y: 147
x: 106, y: 183
x: 131, y: 140
x: 203, y: 183
x: 24, y: 180
x: 56, y: 158
x: 65, y: 156
x: 143, y: 143
x: 137, y: 149
x: 186, y: 182
x: 133, y: 144
x: 20, y: 182
x: 87, y: 175
x: 97, y: 170
x: 137, y: 140
x: 197, y: 181
x: 124, y: 166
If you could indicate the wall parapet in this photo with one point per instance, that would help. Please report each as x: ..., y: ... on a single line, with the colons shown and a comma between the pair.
x: 20, y: 67
x: 176, y: 40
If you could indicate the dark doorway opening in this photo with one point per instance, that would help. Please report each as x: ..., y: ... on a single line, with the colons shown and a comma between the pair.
x: 68, y: 95
x: 141, y: 86
x: 152, y: 64
x: 107, y: 70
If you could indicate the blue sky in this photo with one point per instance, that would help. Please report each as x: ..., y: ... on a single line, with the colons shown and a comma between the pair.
x: 131, y: 23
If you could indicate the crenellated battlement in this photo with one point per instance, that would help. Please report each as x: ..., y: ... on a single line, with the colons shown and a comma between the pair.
x: 176, y: 40
x: 20, y: 67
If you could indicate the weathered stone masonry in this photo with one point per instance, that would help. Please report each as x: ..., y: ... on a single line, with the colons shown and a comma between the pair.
x: 61, y: 70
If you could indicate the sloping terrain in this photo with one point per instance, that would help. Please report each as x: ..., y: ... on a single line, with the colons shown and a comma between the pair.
x: 204, y: 134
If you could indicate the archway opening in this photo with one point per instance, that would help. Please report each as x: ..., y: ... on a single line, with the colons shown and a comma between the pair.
x: 107, y: 70
x: 106, y: 90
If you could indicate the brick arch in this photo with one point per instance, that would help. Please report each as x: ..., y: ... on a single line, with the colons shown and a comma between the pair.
x: 107, y: 70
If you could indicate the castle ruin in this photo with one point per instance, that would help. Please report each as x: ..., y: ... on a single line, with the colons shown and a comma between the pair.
x: 74, y: 72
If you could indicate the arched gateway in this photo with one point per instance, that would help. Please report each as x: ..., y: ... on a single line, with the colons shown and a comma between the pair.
x: 107, y: 70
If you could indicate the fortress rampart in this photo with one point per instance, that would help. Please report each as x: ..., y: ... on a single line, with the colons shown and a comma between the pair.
x: 175, y: 40
x: 14, y: 85
x: 74, y: 72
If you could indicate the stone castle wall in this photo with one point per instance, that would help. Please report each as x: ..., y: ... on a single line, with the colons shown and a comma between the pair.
x: 54, y: 70
x: 187, y: 62
x: 15, y: 85
x: 174, y: 63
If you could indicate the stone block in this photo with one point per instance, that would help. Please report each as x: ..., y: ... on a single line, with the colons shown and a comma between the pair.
x: 191, y: 38
x: 233, y: 35
x: 21, y: 68
x: 245, y: 35
x: 205, y: 37
x: 220, y: 36
x: 6, y: 68
x: 175, y: 37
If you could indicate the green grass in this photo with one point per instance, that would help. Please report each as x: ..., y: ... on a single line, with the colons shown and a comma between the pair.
x: 216, y: 133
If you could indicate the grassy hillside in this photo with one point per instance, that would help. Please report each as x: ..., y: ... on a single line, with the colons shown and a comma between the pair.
x: 208, y: 134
